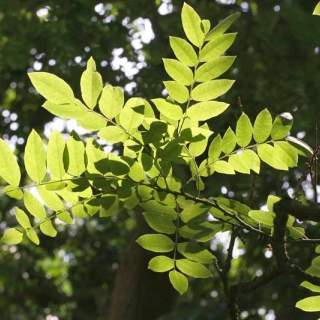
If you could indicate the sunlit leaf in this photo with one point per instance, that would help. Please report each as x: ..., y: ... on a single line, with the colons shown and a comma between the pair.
x: 178, y: 71
x: 75, y: 149
x: 317, y: 10
x: 22, y: 218
x: 281, y: 125
x: 222, y: 26
x: 92, y: 121
x: 183, y: 51
x: 215, y: 148
x: 310, y: 286
x: 12, y: 236
x: 262, y: 126
x: 13, y: 192
x: 156, y: 242
x: 263, y: 217
x: 213, y: 68
x: 111, y: 101
x: 179, y: 281
x: 55, y: 151
x: 191, y: 23
x: 32, y: 235
x: 238, y: 163
x: 223, y: 167
x: 287, y: 153
x: 269, y: 155
x: 34, y: 206
x: 211, y: 89
x: 177, y: 91
x: 9, y: 168
x: 193, y: 269
x: 132, y: 114
x: 50, y: 198
x: 310, y: 304
x: 168, y: 109
x: 193, y: 211
x: 206, y: 110
x: 216, y: 47
x: 35, y: 157
x: 160, y: 264
x: 52, y: 87
x: 47, y: 228
x: 251, y: 160
x: 228, y: 142
x: 66, y: 110
x: 91, y: 84
x: 301, y: 147
x: 243, y: 130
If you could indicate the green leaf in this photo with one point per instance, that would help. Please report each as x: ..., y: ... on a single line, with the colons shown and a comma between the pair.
x: 168, y: 109
x: 281, y: 126
x: 269, y: 155
x: 112, y: 134
x: 50, y: 198
x: 13, y: 192
x: 156, y: 132
x: 66, y: 110
x: 52, y: 87
x: 238, y: 163
x: 177, y: 91
x: 263, y: 217
x: 223, y: 167
x: 55, y: 152
x: 178, y: 281
x: 271, y: 201
x: 191, y: 24
x: 109, y: 205
x: 118, y: 167
x: 9, y: 168
x: 243, y: 130
x: 213, y: 68
x: 47, y: 228
x: 160, y: 264
x: 286, y: 153
x: 22, y: 218
x: 12, y: 236
x: 178, y: 71
x: 159, y: 222
x: 156, y: 242
x: 301, y: 147
x: 193, y: 269
x: 92, y: 121
x: 310, y: 286
x: 111, y: 101
x: 251, y: 160
x: 203, y: 111
x: 228, y: 142
x: 75, y: 150
x: 310, y: 304
x: 171, y: 151
x: 262, y: 126
x: 317, y: 10
x: 211, y: 89
x: 65, y: 217
x: 205, y: 25
x: 193, y: 211
x: 216, y: 47
x: 153, y: 206
x: 34, y: 206
x: 195, y: 252
x: 131, y: 116
x: 183, y: 51
x: 222, y: 26
x: 32, y: 235
x: 35, y: 157
x: 79, y: 211
x: 91, y: 84
x: 215, y: 148
x: 94, y: 153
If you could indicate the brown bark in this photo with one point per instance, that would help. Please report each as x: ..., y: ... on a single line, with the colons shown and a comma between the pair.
x: 139, y: 294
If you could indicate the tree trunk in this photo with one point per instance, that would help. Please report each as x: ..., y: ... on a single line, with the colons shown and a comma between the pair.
x: 138, y: 293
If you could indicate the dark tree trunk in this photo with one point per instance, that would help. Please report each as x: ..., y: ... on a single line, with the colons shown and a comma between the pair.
x: 138, y: 293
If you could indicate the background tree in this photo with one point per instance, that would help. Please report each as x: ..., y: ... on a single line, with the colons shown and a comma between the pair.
x: 258, y: 91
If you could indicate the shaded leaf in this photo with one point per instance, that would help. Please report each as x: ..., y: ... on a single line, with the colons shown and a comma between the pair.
x: 160, y: 222
x: 195, y: 252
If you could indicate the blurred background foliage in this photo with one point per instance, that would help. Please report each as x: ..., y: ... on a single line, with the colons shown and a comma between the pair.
x: 278, y: 67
